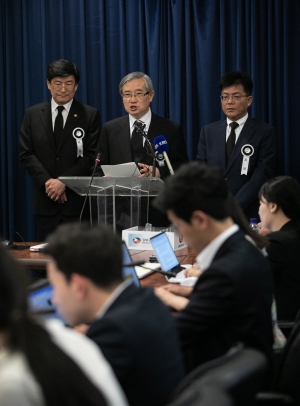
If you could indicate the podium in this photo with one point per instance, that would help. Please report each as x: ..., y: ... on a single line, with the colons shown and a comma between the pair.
x: 110, y: 191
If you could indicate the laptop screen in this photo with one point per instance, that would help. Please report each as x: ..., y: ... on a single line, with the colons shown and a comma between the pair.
x: 164, y: 251
x: 40, y: 300
x: 129, y: 272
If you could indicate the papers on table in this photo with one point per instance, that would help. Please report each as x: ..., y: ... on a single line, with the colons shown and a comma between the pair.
x: 146, y: 269
x: 38, y: 247
x: 127, y: 170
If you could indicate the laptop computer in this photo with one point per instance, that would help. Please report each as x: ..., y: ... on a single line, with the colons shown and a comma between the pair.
x: 165, y: 254
x: 128, y: 272
x: 40, y: 300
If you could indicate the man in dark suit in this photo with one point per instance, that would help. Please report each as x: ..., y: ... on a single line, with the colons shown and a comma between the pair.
x: 120, y: 143
x: 116, y: 138
x: 58, y: 138
x: 243, y: 148
x: 133, y: 329
x: 231, y: 301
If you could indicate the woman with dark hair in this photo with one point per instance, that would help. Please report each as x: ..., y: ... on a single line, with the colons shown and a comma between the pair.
x: 280, y: 214
x: 50, y: 365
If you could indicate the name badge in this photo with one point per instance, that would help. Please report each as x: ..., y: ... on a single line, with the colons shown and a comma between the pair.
x: 78, y: 134
x: 247, y: 151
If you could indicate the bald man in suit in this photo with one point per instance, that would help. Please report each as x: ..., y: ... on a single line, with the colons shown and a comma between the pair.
x: 50, y: 148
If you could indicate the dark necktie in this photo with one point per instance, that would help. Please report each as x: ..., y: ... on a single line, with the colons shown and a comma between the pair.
x: 230, y: 141
x: 137, y: 145
x: 58, y: 125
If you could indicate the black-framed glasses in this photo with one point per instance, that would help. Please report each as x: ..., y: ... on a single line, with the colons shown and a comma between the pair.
x: 234, y: 97
x: 138, y: 95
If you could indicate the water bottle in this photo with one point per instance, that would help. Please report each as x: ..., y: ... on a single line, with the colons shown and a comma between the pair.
x: 253, y: 225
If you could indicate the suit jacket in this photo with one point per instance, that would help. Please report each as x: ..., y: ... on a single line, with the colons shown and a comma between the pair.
x: 231, y: 302
x: 115, y: 147
x: 43, y: 161
x: 284, y: 257
x: 245, y: 188
x: 138, y: 338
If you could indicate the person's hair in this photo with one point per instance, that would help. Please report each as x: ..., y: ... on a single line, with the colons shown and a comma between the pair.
x: 136, y: 75
x: 238, y: 216
x: 62, y: 381
x: 62, y: 68
x: 93, y: 252
x: 193, y: 187
x: 237, y: 78
x: 285, y: 192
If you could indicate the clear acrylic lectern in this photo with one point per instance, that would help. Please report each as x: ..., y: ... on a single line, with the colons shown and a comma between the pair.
x: 109, y: 192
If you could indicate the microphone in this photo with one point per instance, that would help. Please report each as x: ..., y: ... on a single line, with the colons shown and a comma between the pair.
x: 140, y: 128
x: 161, y: 146
x: 97, y: 163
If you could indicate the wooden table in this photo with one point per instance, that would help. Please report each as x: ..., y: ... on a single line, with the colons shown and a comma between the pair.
x: 38, y: 260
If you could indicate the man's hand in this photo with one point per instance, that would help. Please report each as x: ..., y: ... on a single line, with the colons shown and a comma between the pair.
x: 63, y: 198
x: 178, y: 290
x: 55, y: 190
x: 169, y: 299
x: 146, y: 171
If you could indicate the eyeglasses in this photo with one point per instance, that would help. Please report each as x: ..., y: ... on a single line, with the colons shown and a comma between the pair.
x: 234, y: 97
x: 138, y: 95
x: 67, y: 85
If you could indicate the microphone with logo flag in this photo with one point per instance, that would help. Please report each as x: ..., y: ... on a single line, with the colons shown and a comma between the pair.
x: 161, y: 146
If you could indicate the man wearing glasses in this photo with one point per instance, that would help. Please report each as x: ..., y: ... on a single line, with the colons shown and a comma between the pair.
x: 58, y: 138
x: 243, y: 148
x: 119, y: 141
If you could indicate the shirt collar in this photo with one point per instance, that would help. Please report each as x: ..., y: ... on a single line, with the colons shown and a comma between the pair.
x: 115, y: 294
x: 206, y: 256
x: 146, y: 119
x: 240, y: 122
x: 54, y: 105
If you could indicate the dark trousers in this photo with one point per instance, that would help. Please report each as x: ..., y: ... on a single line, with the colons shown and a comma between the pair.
x: 47, y: 224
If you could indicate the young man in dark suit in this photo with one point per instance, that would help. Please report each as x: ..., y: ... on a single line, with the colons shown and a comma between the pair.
x: 133, y: 329
x: 231, y: 301
x: 243, y: 148
x: 58, y: 138
x: 115, y: 143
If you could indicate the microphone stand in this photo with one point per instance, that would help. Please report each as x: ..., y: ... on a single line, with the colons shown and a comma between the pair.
x: 140, y: 128
x: 97, y: 162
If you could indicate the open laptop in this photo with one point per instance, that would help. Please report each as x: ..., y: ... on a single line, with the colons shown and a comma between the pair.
x: 128, y: 272
x: 165, y: 254
x: 40, y: 300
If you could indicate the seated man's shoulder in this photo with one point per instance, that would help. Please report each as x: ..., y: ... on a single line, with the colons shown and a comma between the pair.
x: 137, y: 310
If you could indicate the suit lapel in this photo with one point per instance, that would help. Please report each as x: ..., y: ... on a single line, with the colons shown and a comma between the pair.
x: 123, y: 139
x: 46, y: 119
x: 220, y: 140
x: 244, y: 138
x: 154, y: 128
x: 74, y: 115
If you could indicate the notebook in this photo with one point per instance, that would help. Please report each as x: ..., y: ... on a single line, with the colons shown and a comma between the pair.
x: 128, y: 272
x: 165, y: 254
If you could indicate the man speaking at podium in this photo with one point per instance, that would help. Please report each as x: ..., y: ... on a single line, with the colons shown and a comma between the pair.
x: 58, y: 138
x: 120, y: 142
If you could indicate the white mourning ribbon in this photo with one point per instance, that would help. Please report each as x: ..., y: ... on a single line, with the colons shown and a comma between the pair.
x: 78, y: 134
x: 247, y: 151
